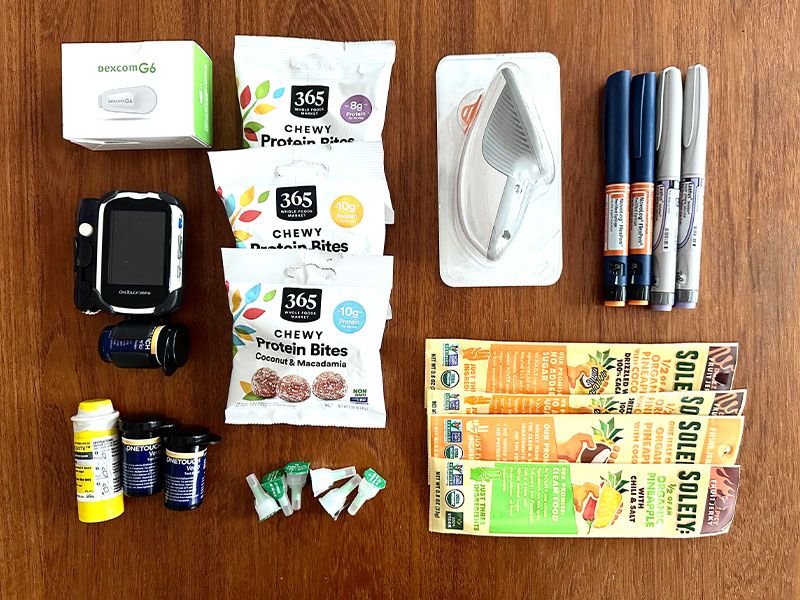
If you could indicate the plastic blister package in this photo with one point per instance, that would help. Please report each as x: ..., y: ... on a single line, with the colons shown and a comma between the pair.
x: 499, y: 151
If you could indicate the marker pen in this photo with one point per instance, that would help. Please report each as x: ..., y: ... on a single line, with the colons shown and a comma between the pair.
x: 693, y: 183
x: 616, y: 107
x: 643, y: 133
x: 669, y: 112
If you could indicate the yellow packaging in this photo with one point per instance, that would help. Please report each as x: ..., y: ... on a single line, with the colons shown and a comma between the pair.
x: 566, y: 500
x: 577, y: 368
x: 726, y: 403
x: 634, y: 439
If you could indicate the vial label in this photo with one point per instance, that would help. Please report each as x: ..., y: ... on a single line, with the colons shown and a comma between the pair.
x: 97, y: 467
x: 141, y: 465
x: 184, y: 478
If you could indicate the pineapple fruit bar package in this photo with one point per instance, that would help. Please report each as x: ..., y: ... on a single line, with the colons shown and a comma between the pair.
x: 577, y: 368
x: 723, y: 403
x: 299, y: 92
x: 634, y: 439
x: 307, y: 332
x: 329, y: 198
x: 581, y: 500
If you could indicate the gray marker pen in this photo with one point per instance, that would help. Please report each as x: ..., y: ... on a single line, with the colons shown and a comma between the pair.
x: 669, y: 112
x: 693, y: 173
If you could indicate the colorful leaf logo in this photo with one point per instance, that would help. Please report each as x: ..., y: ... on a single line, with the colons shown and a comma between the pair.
x: 241, y: 236
x: 278, y: 93
x: 253, y: 313
x: 262, y: 90
x: 269, y: 295
x: 253, y: 293
x: 236, y: 301
x: 249, y: 215
x: 247, y: 197
x: 245, y: 97
x: 262, y: 109
x: 230, y: 204
x: 246, y: 387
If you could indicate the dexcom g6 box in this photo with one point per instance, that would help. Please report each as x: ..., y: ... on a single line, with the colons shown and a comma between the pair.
x: 136, y: 95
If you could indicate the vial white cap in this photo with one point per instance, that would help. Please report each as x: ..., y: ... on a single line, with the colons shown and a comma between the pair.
x: 333, y: 502
x: 322, y: 479
x: 366, y: 491
x: 265, y: 505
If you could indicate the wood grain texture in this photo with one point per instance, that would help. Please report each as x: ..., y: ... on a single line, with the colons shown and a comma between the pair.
x: 48, y: 352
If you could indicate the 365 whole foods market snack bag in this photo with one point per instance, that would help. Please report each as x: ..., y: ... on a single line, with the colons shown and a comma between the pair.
x: 724, y: 403
x: 577, y: 368
x: 329, y: 198
x: 307, y: 330
x: 297, y: 92
x: 650, y: 439
x: 564, y: 500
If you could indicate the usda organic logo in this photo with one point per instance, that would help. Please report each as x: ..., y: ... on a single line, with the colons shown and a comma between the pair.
x: 450, y: 379
x: 453, y: 452
x: 454, y: 498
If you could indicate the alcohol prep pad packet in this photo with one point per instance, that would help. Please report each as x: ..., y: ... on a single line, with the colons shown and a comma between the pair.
x: 306, y: 332
x: 298, y: 92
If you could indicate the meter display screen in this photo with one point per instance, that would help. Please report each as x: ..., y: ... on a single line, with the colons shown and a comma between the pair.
x: 137, y: 244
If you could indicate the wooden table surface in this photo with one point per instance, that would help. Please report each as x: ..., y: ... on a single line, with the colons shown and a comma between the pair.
x: 49, y: 357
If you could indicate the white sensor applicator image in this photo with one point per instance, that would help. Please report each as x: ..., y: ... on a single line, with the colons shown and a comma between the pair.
x: 133, y: 100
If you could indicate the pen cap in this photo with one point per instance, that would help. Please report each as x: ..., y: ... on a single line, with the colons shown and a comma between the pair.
x: 695, y: 122
x: 669, y: 114
x: 643, y: 126
x: 616, y: 127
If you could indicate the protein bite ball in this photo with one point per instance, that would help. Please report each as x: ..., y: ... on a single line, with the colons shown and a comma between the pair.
x: 329, y: 386
x: 293, y: 388
x: 265, y: 382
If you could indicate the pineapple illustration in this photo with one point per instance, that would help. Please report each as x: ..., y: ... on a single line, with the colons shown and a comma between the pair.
x: 604, y: 405
x: 591, y: 377
x: 610, y: 499
x: 605, y: 435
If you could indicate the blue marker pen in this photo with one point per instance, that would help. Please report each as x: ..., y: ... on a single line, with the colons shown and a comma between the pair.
x: 643, y: 133
x: 616, y: 107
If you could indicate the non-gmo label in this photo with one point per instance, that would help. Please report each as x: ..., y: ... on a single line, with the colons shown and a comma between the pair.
x: 298, y: 203
x: 455, y: 474
x: 450, y: 355
x: 301, y: 305
x: 452, y: 401
x: 452, y: 431
x: 309, y: 101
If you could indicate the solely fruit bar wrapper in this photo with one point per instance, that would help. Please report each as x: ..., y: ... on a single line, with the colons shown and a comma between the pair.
x: 578, y: 368
x: 723, y: 403
x: 307, y: 331
x: 647, y: 439
x: 581, y: 500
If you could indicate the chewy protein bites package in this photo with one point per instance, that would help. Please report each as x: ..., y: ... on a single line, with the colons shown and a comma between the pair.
x: 581, y: 500
x: 296, y: 92
x: 307, y: 331
x: 577, y: 368
x: 329, y: 198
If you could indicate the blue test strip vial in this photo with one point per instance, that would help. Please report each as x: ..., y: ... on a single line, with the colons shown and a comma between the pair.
x: 143, y: 453
x: 185, y: 466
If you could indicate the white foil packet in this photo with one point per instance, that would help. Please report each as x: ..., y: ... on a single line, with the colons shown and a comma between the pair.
x: 329, y: 198
x: 307, y: 331
x: 297, y: 92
